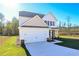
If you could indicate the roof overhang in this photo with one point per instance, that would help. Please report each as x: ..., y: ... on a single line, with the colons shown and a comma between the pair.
x: 36, y: 26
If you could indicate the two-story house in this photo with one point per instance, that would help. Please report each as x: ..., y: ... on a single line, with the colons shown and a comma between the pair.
x: 35, y: 27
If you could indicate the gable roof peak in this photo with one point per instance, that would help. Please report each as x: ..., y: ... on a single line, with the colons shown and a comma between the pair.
x: 35, y: 21
x: 36, y: 16
x: 50, y: 13
x: 49, y: 16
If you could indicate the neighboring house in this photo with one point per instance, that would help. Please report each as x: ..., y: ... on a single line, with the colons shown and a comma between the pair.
x: 34, y: 27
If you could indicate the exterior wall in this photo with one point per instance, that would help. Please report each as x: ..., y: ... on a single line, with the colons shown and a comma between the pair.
x: 50, y: 17
x: 23, y: 19
x: 30, y: 34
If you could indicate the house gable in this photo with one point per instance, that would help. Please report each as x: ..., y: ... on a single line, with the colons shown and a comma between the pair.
x: 49, y: 17
x: 22, y: 20
x: 36, y: 21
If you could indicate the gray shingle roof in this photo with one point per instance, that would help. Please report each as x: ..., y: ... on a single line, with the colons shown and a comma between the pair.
x: 29, y: 14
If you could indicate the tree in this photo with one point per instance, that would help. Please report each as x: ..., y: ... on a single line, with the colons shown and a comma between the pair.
x: 1, y: 16
x: 1, y: 22
x: 7, y: 30
x: 60, y: 25
x: 15, y: 25
x: 68, y: 24
x: 0, y: 27
x: 64, y: 25
x: 11, y: 28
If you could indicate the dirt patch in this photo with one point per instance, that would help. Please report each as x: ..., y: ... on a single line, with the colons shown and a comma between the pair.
x: 3, y: 39
x: 18, y: 42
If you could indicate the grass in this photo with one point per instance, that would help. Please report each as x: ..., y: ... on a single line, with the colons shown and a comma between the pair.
x: 69, y: 41
x: 68, y: 36
x: 8, y: 47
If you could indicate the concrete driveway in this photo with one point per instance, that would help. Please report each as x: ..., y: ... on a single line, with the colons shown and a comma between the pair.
x: 50, y: 49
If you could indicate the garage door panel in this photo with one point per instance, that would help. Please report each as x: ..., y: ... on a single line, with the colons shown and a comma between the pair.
x: 35, y: 35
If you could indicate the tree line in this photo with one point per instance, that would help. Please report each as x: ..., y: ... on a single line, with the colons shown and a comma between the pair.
x: 10, y: 27
x: 66, y: 28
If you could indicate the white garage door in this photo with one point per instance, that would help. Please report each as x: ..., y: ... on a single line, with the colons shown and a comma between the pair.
x: 34, y: 34
x: 35, y: 37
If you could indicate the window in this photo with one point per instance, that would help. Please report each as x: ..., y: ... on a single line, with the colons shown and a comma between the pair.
x: 53, y: 23
x: 45, y: 22
x: 50, y: 23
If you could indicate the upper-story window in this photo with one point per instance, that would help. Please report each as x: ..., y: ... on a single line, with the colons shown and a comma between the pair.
x: 45, y: 22
x: 53, y: 23
x: 50, y: 23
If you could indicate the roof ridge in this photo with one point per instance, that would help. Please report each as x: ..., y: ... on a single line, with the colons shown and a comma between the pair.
x: 29, y: 14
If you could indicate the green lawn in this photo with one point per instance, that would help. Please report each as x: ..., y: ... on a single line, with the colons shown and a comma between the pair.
x: 67, y: 36
x: 69, y: 41
x: 9, y: 47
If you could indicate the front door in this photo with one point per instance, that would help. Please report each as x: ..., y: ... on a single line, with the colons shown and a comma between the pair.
x: 53, y: 34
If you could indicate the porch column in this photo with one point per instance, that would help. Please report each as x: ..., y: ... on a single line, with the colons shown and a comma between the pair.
x: 50, y: 36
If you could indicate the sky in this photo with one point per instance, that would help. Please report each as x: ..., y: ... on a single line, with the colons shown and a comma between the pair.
x: 9, y: 10
x: 60, y: 10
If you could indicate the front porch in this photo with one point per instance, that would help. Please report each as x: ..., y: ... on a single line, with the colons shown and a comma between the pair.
x: 53, y: 33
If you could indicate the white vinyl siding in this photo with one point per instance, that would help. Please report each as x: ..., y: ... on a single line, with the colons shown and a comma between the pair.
x: 22, y: 20
x: 35, y: 21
